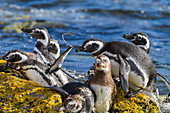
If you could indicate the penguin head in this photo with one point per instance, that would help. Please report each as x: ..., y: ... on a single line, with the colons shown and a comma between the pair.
x: 54, y: 48
x: 15, y: 56
x: 102, y: 63
x: 72, y: 104
x: 91, y: 45
x: 139, y: 39
x: 37, y: 33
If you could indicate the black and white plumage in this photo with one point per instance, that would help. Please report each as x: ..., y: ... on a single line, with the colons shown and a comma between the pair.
x: 130, y: 63
x: 78, y: 97
x: 30, y: 68
x: 35, y: 70
x: 46, y: 50
x: 139, y: 39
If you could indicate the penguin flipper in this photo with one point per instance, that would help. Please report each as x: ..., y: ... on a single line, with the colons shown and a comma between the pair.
x: 165, y: 80
x: 58, y: 89
x: 58, y: 63
x: 133, y: 93
x: 124, y: 70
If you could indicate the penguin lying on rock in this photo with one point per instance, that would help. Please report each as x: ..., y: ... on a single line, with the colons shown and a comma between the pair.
x: 35, y: 70
x: 129, y: 63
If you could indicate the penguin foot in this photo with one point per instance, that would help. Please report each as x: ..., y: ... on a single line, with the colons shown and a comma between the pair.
x: 133, y: 93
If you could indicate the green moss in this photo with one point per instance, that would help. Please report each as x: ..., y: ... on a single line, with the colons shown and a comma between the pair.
x: 138, y: 104
x: 19, y: 95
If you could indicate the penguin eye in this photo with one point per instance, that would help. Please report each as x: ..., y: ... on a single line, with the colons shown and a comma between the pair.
x: 139, y: 38
x: 71, y: 106
x: 37, y: 31
x: 88, y: 45
x: 104, y: 60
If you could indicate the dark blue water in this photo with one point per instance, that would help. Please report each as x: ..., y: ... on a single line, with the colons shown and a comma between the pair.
x: 108, y: 20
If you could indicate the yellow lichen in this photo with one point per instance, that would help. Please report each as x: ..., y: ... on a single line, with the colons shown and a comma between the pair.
x: 20, y: 95
x: 138, y: 104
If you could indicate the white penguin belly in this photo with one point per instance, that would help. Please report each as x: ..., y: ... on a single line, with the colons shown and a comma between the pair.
x: 104, y: 95
x: 34, y: 76
x: 133, y: 77
x: 136, y: 80
x: 115, y: 68
x: 60, y: 75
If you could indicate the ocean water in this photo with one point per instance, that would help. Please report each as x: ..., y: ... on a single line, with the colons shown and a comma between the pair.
x: 107, y: 20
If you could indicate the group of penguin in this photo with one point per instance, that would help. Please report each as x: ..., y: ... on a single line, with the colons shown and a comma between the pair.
x: 128, y: 63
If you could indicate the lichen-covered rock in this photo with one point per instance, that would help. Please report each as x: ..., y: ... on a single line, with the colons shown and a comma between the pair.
x: 20, y: 95
x: 138, y: 104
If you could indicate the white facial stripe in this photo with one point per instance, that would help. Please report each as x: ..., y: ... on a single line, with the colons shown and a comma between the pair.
x: 147, y: 42
x: 141, y: 70
x: 142, y: 36
x: 46, y: 41
x: 57, y: 46
x: 109, y: 54
x: 97, y: 42
x: 24, y: 57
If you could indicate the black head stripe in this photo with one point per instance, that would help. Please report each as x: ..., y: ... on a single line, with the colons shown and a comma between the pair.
x: 14, y: 58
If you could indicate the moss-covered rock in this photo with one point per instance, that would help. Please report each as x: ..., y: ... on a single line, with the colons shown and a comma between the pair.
x: 20, y: 95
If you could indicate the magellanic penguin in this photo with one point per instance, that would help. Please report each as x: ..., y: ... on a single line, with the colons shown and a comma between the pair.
x: 30, y: 68
x: 139, y: 39
x: 35, y: 70
x: 78, y: 97
x: 130, y: 63
x: 142, y: 41
x: 103, y: 85
x: 46, y: 50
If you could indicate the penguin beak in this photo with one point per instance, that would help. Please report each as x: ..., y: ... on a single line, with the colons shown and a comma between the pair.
x: 62, y: 108
x: 128, y: 36
x: 27, y: 30
x: 79, y: 49
x: 98, y: 62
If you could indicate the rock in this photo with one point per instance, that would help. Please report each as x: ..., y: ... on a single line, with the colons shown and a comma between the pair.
x: 20, y: 95
x: 138, y: 104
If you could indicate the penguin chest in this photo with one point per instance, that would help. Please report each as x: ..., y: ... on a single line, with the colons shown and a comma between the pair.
x: 60, y: 76
x: 104, y: 98
x: 115, y: 68
x: 35, y: 74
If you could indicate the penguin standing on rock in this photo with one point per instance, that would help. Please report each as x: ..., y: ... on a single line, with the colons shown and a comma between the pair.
x: 129, y: 63
x: 103, y: 85
x: 46, y: 50
x: 96, y: 96
x: 141, y: 40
